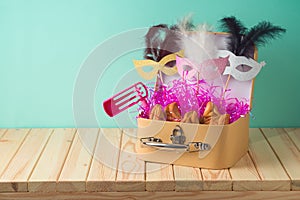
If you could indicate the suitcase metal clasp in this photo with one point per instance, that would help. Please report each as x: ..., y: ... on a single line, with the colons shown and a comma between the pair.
x: 178, y: 142
x: 177, y: 136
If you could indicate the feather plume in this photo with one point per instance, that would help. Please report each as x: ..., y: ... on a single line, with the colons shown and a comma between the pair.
x: 171, y: 44
x: 154, y: 39
x: 259, y: 35
x: 197, y: 43
x: 236, y: 30
x: 160, y: 41
x: 185, y: 24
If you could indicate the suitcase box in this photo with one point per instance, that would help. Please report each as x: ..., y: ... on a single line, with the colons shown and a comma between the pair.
x: 227, y: 143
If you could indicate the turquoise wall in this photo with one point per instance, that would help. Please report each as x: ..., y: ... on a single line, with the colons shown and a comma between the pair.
x: 44, y: 43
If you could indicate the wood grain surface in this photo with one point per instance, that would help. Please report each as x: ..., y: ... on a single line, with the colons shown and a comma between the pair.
x: 67, y: 163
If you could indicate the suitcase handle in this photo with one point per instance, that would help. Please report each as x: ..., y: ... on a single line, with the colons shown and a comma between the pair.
x: 189, y: 147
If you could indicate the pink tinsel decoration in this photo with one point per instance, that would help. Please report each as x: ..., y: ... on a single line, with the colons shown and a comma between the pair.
x: 192, y: 96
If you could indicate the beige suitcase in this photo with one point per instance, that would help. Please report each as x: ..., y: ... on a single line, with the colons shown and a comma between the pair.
x: 205, y: 146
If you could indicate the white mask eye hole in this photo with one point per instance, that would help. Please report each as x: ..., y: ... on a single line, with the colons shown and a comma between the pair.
x: 243, y: 68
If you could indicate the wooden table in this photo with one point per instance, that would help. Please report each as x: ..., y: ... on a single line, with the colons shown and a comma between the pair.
x: 54, y: 164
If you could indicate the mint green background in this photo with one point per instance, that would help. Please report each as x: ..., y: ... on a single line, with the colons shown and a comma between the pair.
x: 44, y: 42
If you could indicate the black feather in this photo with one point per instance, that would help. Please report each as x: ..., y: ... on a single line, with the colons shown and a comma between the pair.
x: 154, y: 39
x: 259, y: 35
x: 236, y: 30
x: 171, y: 44
x: 160, y: 41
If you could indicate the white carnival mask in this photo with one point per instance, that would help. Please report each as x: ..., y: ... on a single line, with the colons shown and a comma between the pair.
x: 236, y: 61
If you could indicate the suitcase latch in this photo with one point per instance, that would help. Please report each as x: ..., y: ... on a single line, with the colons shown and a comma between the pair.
x: 177, y: 136
x: 178, y: 142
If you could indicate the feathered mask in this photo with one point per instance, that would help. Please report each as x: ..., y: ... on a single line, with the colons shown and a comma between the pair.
x: 241, y: 42
x: 197, y: 45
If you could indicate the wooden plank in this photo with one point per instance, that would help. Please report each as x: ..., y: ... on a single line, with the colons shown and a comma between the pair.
x: 159, y: 177
x: 76, y: 167
x: 48, y: 168
x: 268, y: 166
x: 216, y: 179
x: 226, y: 195
x: 14, y: 178
x: 244, y: 175
x: 9, y: 144
x: 294, y: 134
x: 187, y: 178
x: 287, y: 152
x: 131, y: 170
x: 2, y: 132
x: 102, y: 174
